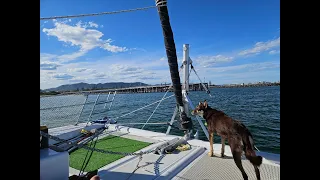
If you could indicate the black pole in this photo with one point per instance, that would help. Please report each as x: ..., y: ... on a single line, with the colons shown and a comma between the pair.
x: 170, y: 49
x: 185, y: 121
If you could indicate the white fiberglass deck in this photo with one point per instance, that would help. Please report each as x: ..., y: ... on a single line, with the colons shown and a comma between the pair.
x: 185, y: 165
x: 153, y: 166
x: 66, y: 132
x: 190, y: 164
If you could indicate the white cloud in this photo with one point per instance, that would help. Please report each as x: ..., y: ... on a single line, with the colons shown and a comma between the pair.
x: 125, y: 69
x: 145, y: 68
x: 45, y: 57
x: 244, y: 73
x: 92, y: 24
x: 81, y: 36
x: 48, y: 66
x: 87, y: 24
x: 113, y: 48
x: 75, y: 35
x: 138, y: 49
x: 163, y: 58
x: 62, y: 76
x: 100, y: 75
x: 245, y: 67
x: 97, y: 72
x: 132, y: 73
x: 207, y: 61
x: 270, y: 75
x: 71, y: 56
x: 261, y: 47
x: 274, y: 52
x: 76, y: 69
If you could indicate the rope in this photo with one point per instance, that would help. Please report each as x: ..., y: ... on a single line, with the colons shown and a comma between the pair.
x: 155, y: 109
x: 137, y: 167
x: 256, y: 148
x: 104, y: 111
x: 143, y: 107
x: 140, y: 166
x: 159, y: 123
x: 85, y: 163
x: 99, y: 14
x: 160, y: 3
x: 57, y: 107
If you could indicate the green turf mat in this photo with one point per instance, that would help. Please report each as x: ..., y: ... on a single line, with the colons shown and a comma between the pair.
x: 110, y: 143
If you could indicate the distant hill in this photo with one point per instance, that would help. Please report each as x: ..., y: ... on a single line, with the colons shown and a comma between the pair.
x: 85, y: 86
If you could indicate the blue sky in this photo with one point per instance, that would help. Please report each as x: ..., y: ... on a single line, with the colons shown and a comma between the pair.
x: 230, y: 41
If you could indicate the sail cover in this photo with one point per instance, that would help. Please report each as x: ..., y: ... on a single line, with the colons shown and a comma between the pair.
x: 170, y: 47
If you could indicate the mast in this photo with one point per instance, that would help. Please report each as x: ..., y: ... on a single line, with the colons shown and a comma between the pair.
x: 185, y: 69
x: 185, y: 121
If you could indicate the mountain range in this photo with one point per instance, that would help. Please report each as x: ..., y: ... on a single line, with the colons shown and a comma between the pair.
x: 86, y: 86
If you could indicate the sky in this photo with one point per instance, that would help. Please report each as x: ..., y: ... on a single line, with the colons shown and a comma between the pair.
x: 230, y: 41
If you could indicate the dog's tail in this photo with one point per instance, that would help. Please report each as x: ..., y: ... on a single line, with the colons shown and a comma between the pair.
x: 249, y: 149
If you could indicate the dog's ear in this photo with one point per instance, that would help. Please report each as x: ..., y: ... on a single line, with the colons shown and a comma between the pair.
x: 205, y: 104
x: 200, y: 103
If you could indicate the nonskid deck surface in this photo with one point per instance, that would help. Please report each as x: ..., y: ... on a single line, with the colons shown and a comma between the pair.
x: 205, y: 167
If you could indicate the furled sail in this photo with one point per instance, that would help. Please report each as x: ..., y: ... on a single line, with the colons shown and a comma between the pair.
x: 185, y: 121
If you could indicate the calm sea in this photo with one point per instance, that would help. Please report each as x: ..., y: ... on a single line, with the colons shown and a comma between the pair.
x: 257, y: 107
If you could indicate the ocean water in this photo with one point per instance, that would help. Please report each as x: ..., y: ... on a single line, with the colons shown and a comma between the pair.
x: 257, y: 107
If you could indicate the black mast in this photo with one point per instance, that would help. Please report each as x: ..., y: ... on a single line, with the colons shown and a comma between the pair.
x: 186, y: 122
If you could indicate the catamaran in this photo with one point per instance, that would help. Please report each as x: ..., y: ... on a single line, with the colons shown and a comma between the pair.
x: 166, y: 156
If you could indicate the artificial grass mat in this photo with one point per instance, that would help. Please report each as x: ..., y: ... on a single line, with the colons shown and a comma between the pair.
x: 110, y: 143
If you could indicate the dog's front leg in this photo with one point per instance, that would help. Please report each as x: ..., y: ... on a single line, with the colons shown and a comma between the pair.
x: 211, y: 144
x: 223, y: 140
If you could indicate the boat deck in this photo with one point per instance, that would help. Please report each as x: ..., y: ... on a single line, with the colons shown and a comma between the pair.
x: 184, y: 165
x: 205, y: 167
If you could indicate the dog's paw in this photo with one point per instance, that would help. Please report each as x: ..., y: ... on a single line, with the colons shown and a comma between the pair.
x: 210, y: 154
x: 222, y: 155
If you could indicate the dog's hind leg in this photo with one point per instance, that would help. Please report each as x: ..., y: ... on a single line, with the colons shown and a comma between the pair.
x: 237, y: 159
x: 236, y: 153
x: 256, y: 169
x: 223, y: 140
x: 210, y: 154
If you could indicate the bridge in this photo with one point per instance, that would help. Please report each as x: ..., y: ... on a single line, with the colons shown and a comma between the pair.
x: 139, y: 89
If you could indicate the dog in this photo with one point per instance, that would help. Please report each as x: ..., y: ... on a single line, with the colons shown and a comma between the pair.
x: 238, y: 136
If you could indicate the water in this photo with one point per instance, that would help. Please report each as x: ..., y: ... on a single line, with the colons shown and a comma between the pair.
x: 257, y: 107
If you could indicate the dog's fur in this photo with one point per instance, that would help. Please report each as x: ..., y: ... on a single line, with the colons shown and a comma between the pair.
x: 238, y: 136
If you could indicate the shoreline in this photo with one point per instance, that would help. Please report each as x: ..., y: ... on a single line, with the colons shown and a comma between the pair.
x: 210, y: 87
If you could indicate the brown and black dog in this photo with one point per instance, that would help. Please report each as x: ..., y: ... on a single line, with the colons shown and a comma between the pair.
x: 238, y: 136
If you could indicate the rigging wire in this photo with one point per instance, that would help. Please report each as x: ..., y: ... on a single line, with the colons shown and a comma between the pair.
x: 208, y: 92
x: 99, y: 14
x: 144, y: 107
x: 155, y: 108
x: 86, y: 161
